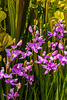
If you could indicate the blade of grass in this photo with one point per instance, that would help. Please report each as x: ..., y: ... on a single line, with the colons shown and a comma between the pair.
x: 21, y: 92
x: 35, y: 64
x: 42, y: 87
x: 63, y: 89
x: 19, y: 14
x: 26, y: 5
x: 42, y: 84
x: 35, y: 97
x: 26, y: 92
x: 51, y: 86
x: 57, y: 90
x: 11, y: 9
x: 1, y: 91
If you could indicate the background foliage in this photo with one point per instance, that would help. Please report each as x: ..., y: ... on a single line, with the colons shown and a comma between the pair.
x: 15, y: 18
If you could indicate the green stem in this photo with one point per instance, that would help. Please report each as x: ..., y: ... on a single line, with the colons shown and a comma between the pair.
x: 26, y: 92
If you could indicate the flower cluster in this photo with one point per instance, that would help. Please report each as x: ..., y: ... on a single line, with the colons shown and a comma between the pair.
x: 58, y: 30
x: 13, y: 52
x: 9, y: 78
x: 19, y: 69
x: 12, y: 94
x: 49, y: 62
x: 37, y: 41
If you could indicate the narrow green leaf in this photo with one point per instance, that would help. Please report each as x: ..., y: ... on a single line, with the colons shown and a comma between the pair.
x: 63, y: 89
x: 11, y: 9
x: 65, y: 17
x: 1, y: 92
x: 19, y: 13
x: 35, y: 97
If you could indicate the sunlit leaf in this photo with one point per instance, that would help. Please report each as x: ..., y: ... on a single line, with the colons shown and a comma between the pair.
x: 1, y: 28
x: 52, y: 1
x: 2, y: 36
x: 62, y: 2
x: 2, y: 15
x: 39, y: 0
x: 65, y: 8
x: 59, y: 15
x: 5, y: 41
x: 62, y: 5
x: 34, y: 6
x: 10, y: 42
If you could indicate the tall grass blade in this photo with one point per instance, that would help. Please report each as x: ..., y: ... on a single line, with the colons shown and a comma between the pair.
x: 19, y: 14
x: 1, y: 91
x: 11, y: 9
x: 63, y: 89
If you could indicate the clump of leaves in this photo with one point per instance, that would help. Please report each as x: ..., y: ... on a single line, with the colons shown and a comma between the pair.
x: 5, y: 38
x: 5, y: 41
x: 2, y: 15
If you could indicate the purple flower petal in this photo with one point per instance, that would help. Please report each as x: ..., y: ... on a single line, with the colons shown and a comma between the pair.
x: 30, y: 29
x: 55, y: 53
x: 60, y: 46
x: 16, y: 94
x: 19, y: 43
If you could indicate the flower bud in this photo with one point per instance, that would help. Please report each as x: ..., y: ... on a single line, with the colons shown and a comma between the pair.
x: 55, y: 53
x: 31, y: 61
x: 30, y: 29
x: 19, y: 43
x: 49, y: 44
x: 60, y: 46
x: 4, y: 60
x: 34, y: 27
x: 16, y: 94
x: 7, y: 65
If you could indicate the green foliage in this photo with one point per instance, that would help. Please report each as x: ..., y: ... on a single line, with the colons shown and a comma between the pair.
x: 2, y: 15
x: 65, y: 17
x: 59, y: 15
x: 5, y: 41
x: 11, y: 9
x: 20, y: 14
x: 1, y: 91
